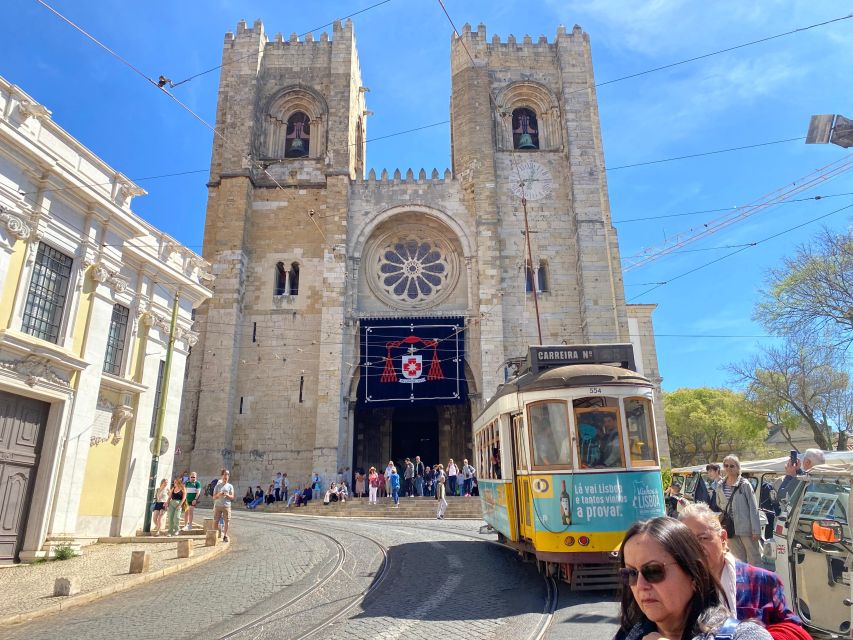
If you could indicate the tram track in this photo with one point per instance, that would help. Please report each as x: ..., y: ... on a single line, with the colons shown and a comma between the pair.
x: 552, y: 593
x: 258, y: 623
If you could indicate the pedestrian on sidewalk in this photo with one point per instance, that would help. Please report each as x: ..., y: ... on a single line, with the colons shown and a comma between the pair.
x: 374, y: 481
x: 408, y: 479
x: 419, y: 477
x: 223, y: 494
x: 176, y: 505
x: 394, y: 480
x: 161, y: 499
x: 440, y: 480
x: 451, y: 473
x: 467, y: 478
x: 193, y: 494
x: 360, y: 481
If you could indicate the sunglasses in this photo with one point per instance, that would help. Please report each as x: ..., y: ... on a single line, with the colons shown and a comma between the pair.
x: 652, y: 572
x: 730, y: 466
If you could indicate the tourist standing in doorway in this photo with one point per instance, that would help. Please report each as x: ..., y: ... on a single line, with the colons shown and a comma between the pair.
x: 467, y: 478
x: 419, y: 476
x: 440, y: 481
x: 388, y: 477
x: 373, y: 481
x: 452, y: 472
x: 193, y: 494
x: 394, y: 479
x: 409, y: 479
x: 359, y: 483
x: 429, y: 480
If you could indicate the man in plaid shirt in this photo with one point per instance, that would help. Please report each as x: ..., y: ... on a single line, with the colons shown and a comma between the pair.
x: 754, y: 593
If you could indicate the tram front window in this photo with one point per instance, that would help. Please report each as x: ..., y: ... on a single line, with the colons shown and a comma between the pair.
x: 549, y: 430
x: 599, y: 432
x: 641, y: 440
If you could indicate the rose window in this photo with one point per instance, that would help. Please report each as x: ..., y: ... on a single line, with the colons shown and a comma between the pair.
x: 412, y: 270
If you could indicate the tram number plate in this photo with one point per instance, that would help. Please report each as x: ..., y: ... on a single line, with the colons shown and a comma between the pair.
x: 595, y: 391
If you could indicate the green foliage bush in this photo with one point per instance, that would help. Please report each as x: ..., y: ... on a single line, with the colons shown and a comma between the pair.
x: 64, y: 552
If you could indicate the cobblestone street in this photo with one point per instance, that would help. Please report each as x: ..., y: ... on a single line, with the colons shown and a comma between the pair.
x: 296, y: 577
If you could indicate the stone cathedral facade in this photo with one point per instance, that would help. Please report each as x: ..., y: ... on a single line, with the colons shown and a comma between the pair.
x: 314, y: 259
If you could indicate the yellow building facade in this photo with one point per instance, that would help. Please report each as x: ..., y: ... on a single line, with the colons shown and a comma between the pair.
x: 86, y: 294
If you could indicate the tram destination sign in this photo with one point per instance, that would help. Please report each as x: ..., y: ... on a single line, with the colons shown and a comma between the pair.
x: 540, y: 358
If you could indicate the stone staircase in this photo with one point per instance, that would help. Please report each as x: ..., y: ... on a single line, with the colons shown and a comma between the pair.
x: 410, y: 508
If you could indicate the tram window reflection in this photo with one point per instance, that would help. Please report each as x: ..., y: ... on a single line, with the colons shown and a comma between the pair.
x: 640, y: 437
x: 599, y: 434
x: 488, y: 452
x: 549, y: 433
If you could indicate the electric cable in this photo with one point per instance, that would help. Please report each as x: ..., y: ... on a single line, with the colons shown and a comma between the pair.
x: 735, y: 252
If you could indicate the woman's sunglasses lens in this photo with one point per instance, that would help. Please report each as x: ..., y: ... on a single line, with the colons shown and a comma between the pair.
x: 652, y: 573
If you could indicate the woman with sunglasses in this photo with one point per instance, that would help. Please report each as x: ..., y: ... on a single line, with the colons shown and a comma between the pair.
x: 735, y: 489
x: 667, y: 586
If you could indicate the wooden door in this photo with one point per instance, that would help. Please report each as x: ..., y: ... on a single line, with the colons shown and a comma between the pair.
x: 22, y: 424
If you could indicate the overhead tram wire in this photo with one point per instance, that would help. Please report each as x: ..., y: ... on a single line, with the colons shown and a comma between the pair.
x: 302, y: 35
x: 729, y: 255
x: 819, y: 176
x: 696, y: 213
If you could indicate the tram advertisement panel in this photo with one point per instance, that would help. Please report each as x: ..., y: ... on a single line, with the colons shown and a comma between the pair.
x: 597, y: 501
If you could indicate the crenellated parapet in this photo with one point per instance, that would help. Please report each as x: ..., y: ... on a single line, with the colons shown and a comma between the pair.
x: 398, y: 178
x: 477, y: 44
x: 256, y: 32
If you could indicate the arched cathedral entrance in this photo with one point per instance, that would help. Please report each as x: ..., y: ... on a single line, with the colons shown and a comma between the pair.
x: 433, y: 432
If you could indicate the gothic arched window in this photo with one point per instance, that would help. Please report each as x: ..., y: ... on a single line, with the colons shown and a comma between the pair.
x: 528, y: 277
x: 525, y: 129
x: 293, y: 283
x: 298, y: 135
x: 280, y: 279
x: 542, y: 276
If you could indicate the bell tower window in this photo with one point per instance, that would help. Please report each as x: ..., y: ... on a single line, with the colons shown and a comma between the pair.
x: 286, y: 280
x: 525, y: 129
x: 528, y: 277
x: 298, y: 135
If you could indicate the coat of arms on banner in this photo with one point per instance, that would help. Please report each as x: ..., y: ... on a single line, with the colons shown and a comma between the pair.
x: 412, y: 368
x: 411, y: 364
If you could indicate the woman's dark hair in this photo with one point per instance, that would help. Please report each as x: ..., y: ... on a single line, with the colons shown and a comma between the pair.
x: 682, y: 545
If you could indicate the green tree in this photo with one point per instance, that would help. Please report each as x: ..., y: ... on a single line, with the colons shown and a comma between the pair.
x: 706, y: 424
x: 811, y: 294
x: 802, y: 382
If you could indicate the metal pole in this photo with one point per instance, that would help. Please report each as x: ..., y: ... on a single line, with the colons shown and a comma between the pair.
x: 532, y: 274
x: 161, y: 415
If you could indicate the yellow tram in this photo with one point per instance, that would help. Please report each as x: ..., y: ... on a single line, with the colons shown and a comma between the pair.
x: 566, y: 458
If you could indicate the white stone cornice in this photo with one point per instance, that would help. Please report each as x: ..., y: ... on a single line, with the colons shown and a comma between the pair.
x: 30, y: 109
x: 102, y: 275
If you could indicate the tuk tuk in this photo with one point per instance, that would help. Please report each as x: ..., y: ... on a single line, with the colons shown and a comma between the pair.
x: 813, y: 548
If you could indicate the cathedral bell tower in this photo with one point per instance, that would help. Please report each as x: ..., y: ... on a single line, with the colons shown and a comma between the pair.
x: 264, y: 385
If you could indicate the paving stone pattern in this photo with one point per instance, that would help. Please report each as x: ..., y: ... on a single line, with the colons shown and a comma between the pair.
x: 443, y: 580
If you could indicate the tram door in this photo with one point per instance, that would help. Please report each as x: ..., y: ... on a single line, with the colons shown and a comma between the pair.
x: 523, y: 515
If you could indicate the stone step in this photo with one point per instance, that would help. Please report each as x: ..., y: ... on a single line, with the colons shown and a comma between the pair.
x: 468, y: 508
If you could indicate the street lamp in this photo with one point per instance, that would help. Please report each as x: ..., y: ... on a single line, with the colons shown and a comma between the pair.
x: 835, y: 129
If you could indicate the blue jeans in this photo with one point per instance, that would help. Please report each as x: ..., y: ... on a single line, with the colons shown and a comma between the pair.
x: 254, y: 503
x: 468, y: 483
x: 419, y: 485
x: 451, y: 489
x: 395, y: 493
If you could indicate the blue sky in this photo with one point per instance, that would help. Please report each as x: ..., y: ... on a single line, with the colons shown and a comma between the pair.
x: 752, y: 95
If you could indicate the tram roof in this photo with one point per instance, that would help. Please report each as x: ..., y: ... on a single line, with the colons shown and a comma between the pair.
x: 573, y: 375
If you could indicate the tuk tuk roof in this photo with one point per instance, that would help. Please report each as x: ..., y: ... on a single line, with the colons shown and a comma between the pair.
x: 837, y: 461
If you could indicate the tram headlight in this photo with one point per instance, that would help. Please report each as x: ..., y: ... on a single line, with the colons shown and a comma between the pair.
x: 583, y: 541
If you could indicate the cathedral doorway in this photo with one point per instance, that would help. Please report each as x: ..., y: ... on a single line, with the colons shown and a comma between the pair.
x: 414, y: 432
x: 435, y: 432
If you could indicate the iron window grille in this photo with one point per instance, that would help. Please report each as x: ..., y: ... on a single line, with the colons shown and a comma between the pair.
x: 116, y: 340
x: 47, y: 294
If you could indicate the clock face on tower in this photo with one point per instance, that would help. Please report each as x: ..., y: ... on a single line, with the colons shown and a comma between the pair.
x: 530, y: 180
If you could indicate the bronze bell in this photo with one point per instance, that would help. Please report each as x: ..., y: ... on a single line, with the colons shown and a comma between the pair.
x: 525, y: 141
x: 297, y: 147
